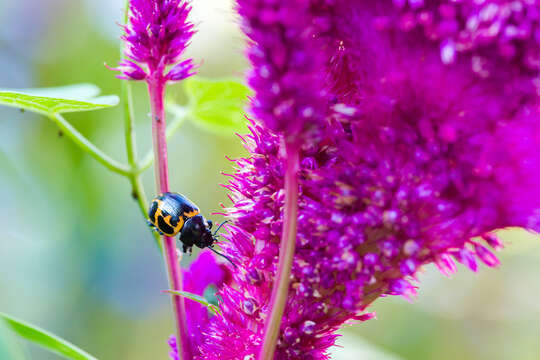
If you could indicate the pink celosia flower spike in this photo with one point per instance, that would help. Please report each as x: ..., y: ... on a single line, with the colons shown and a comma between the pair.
x: 288, y: 79
x: 155, y: 38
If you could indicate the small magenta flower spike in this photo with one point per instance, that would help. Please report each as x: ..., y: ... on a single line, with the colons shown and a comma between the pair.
x: 423, y: 146
x: 155, y: 38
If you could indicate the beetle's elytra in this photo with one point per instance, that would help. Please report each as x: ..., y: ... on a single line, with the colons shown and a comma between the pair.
x: 168, y: 212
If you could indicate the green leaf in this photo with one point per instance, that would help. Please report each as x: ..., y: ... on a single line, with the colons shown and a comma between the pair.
x: 74, y: 92
x: 210, y: 294
x: 57, y: 100
x: 217, y: 105
x: 45, y: 339
x: 197, y: 298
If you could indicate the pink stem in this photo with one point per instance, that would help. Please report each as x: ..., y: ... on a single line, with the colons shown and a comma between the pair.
x: 286, y: 254
x: 156, y: 89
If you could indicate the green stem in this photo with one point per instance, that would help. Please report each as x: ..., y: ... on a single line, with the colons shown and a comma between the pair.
x: 137, y: 189
x: 140, y: 196
x: 129, y: 123
x: 88, y: 147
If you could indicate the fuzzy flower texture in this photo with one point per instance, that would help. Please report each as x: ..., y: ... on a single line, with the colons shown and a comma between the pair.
x: 420, y: 152
x: 155, y: 39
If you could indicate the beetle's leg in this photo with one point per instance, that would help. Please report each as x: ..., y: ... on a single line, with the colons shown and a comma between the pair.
x: 156, y: 230
x: 187, y: 249
x: 154, y: 227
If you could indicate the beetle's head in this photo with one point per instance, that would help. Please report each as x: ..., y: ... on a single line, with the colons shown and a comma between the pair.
x: 196, y: 231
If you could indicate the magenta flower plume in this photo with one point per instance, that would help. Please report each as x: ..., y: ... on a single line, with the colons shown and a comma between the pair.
x: 493, y: 33
x: 415, y: 160
x: 288, y: 80
x: 155, y: 39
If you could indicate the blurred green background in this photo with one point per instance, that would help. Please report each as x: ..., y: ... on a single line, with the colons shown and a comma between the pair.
x: 76, y: 257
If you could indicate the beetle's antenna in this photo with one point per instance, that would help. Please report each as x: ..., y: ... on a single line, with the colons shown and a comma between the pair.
x: 219, y: 227
x: 226, y: 257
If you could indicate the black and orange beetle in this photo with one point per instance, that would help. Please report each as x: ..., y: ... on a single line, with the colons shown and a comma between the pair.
x: 172, y: 213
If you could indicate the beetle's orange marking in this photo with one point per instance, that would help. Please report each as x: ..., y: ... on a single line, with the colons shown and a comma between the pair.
x: 167, y: 220
x: 156, y: 216
x: 179, y: 226
x: 191, y: 213
x: 157, y: 213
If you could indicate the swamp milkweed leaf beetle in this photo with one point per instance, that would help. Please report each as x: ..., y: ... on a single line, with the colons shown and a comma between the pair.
x: 171, y: 214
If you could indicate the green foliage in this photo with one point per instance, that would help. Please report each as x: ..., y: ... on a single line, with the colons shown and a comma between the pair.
x: 57, y: 100
x: 217, y: 105
x: 214, y: 309
x: 45, y: 339
x: 210, y: 294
